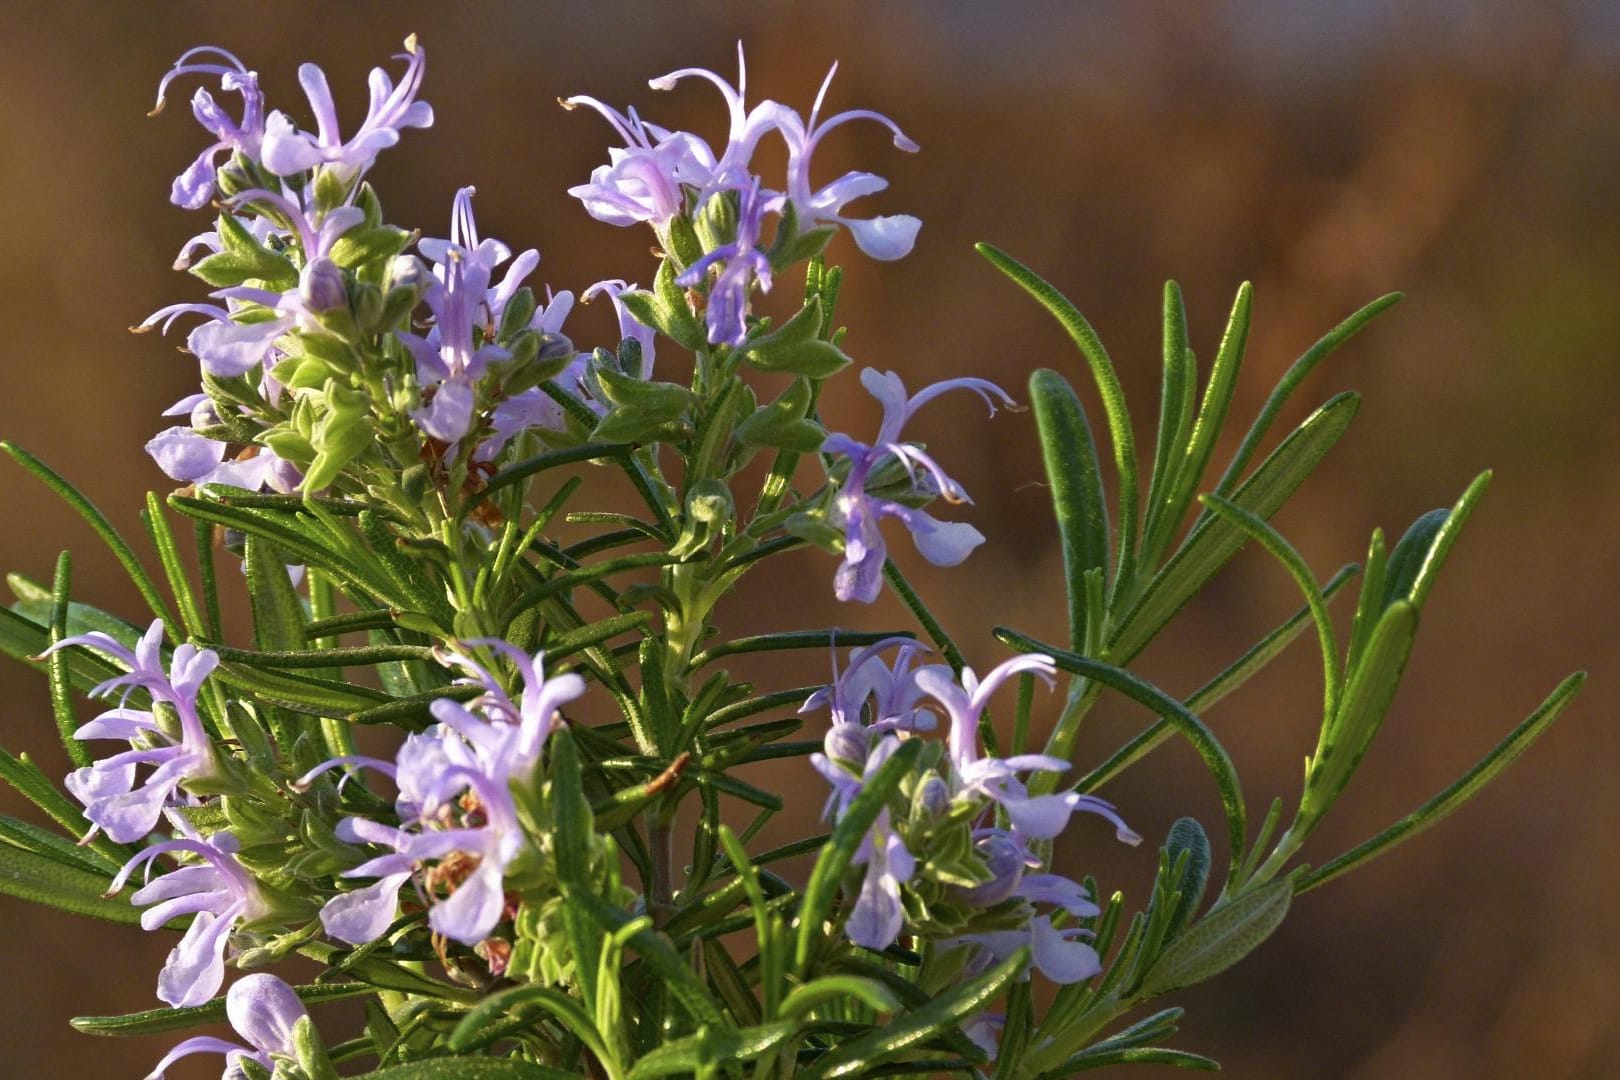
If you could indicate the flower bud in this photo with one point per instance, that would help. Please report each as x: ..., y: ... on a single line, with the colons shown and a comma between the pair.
x: 407, y: 272
x: 321, y: 287
x: 847, y: 744
x: 932, y: 799
x: 1004, y: 858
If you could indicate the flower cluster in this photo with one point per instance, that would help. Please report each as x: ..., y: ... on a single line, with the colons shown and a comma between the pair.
x: 660, y: 175
x: 460, y: 828
x: 960, y: 845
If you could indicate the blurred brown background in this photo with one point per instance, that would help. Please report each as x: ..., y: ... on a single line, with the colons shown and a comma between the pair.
x: 1465, y: 153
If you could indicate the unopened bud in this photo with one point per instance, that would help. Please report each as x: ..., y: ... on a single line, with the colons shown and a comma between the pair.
x: 847, y: 744
x: 321, y: 287
x: 933, y: 798
x: 1004, y: 858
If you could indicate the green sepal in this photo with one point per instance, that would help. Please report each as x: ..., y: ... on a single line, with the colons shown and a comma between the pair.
x: 666, y: 310
x: 242, y: 258
x: 797, y: 348
x: 342, y: 432
x: 370, y: 243
x: 784, y: 423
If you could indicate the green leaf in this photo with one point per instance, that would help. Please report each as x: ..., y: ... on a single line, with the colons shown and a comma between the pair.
x: 43, y: 880
x: 1172, y: 711
x: 795, y: 639
x: 1078, y: 503
x: 1131, y: 1055
x: 1187, y: 835
x: 571, y: 816
x: 158, y: 1021
x: 1466, y: 787
x: 847, y: 835
x: 708, y: 1049
x: 1291, y: 381
x: 1220, y: 939
x: 783, y: 422
x: 916, y: 1026
x: 98, y: 521
x: 1176, y: 397
x: 1200, y: 446
x: 1285, y: 553
x: 1368, y: 693
x: 1213, y: 542
x: 837, y: 988
x: 369, y: 244
x: 659, y: 955
x: 797, y: 347
x: 470, y: 1069
x: 1447, y: 526
x: 471, y: 1032
x: 1108, y: 385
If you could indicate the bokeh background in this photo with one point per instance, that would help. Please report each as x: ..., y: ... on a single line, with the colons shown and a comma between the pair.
x: 1465, y: 153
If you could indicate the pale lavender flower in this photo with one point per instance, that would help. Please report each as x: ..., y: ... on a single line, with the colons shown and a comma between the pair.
x: 859, y: 513
x: 113, y: 800
x: 288, y: 151
x: 191, y: 458
x: 742, y: 266
x: 1060, y: 954
x: 877, y: 916
x: 455, y: 798
x: 984, y: 1030
x: 645, y: 180
x: 456, y: 352
x: 217, y: 890
x: 263, y: 1010
x: 534, y: 408
x: 746, y: 126
x: 888, y: 237
x: 1037, y: 817
x: 193, y: 188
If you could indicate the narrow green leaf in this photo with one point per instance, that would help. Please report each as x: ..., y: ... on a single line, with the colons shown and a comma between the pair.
x: 1446, y: 536
x: 469, y: 1033
x: 1220, y: 939
x: 917, y: 1026
x: 1367, y: 698
x: 1285, y: 553
x: 1466, y: 787
x: 1176, y: 396
x: 1206, y: 429
x: 356, y: 656
x: 1113, y: 397
x: 56, y: 668
x: 869, y: 992
x: 1172, y: 711
x: 796, y: 639
x: 1213, y: 542
x: 158, y: 1021
x: 1078, y: 503
x: 97, y: 521
x: 1132, y: 1055
x: 1291, y: 381
x: 660, y: 956
x: 470, y: 1069
x: 43, y: 880
x: 708, y: 1049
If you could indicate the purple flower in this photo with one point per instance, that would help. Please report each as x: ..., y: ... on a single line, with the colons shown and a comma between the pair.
x: 217, y: 890
x: 288, y: 151
x: 455, y: 799
x: 645, y: 180
x: 889, y: 237
x: 112, y: 799
x: 858, y: 513
x: 1059, y: 954
x: 877, y: 917
x: 1037, y: 817
x: 742, y: 265
x: 193, y: 188
x: 191, y: 458
x: 456, y: 352
x: 746, y: 128
x: 263, y: 1010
